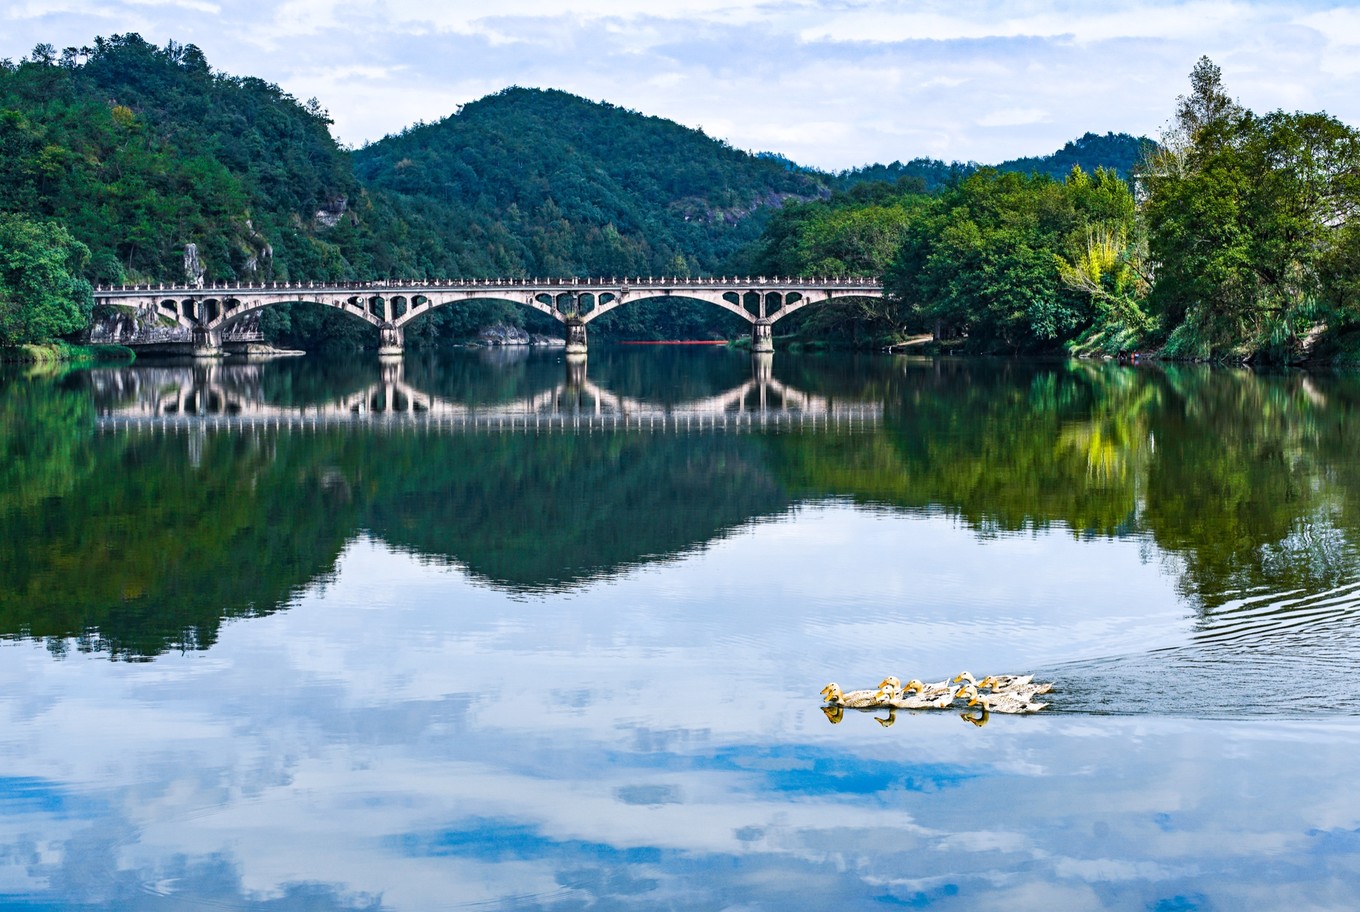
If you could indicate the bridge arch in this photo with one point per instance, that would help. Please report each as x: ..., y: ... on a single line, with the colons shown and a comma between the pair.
x: 703, y: 297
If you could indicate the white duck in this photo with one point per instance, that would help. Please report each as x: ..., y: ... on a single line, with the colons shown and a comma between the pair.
x: 855, y: 699
x: 1014, y: 703
x: 915, y: 695
x: 1008, y: 683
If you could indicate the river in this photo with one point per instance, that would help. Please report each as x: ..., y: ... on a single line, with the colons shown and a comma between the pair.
x: 495, y: 630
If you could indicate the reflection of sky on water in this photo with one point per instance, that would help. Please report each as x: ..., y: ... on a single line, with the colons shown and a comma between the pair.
x: 404, y: 738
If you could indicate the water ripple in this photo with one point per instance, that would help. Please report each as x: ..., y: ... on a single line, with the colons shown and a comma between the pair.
x: 1273, y: 654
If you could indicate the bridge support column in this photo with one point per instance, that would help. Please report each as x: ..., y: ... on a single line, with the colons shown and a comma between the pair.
x: 391, y: 340
x: 576, y: 337
x: 207, y: 344
x: 761, y: 338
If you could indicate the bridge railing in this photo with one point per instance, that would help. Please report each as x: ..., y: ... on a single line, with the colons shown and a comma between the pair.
x: 612, y: 282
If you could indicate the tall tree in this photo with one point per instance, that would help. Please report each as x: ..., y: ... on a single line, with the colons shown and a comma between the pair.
x: 42, y: 295
x: 1251, y: 221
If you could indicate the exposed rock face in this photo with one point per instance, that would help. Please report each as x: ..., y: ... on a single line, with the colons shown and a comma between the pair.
x: 193, y: 266
x: 501, y: 334
x: 329, y: 215
x: 117, y: 325
x: 259, y: 254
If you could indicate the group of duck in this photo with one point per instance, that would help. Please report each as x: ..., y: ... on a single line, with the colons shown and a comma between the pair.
x: 994, y: 693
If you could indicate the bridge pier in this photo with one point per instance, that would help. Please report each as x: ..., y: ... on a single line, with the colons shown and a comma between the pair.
x: 761, y: 338
x: 207, y: 343
x: 576, y: 337
x: 391, y: 340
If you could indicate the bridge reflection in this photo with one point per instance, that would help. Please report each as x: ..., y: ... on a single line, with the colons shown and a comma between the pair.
x: 215, y: 396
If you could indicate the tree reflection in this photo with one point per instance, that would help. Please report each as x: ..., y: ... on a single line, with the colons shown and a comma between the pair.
x: 136, y: 542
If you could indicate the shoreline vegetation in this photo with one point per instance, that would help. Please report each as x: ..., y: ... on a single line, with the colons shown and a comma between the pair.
x: 62, y: 352
x: 1234, y: 237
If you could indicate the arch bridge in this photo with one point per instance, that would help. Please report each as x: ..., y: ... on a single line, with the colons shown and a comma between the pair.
x: 210, y: 311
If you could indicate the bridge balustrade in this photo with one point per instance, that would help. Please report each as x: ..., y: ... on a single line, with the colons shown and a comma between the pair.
x: 775, y: 298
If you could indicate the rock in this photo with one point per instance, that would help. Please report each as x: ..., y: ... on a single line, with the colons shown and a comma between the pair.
x: 501, y: 334
x: 121, y: 324
x: 193, y: 266
x: 329, y: 215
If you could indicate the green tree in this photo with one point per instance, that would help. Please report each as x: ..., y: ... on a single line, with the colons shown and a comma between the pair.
x: 1105, y: 259
x: 42, y: 295
x: 982, y: 264
x: 1251, y: 224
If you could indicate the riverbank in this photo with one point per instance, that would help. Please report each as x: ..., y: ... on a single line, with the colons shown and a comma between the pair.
x: 65, y: 352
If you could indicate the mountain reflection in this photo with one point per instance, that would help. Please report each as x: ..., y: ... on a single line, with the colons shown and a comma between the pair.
x: 153, y: 503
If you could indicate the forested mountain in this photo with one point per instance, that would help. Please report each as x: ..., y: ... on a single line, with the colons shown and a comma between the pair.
x: 123, y: 153
x: 577, y: 187
x: 139, y: 150
x: 1118, y: 152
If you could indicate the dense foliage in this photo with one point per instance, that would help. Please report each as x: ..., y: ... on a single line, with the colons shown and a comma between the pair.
x: 1253, y: 225
x: 1013, y: 263
x: 1246, y: 242
x: 42, y: 295
x: 995, y: 261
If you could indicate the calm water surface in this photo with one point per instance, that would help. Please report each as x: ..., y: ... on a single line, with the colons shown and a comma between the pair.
x: 496, y: 631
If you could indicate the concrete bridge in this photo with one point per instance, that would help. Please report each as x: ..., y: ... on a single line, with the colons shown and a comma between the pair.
x: 210, y: 311
x: 210, y: 396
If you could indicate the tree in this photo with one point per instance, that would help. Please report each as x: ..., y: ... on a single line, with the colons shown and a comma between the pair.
x: 1251, y: 223
x: 41, y: 294
x: 983, y: 264
x: 1105, y: 258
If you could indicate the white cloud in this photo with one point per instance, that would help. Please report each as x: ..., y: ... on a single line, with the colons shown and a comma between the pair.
x: 972, y: 21
x: 828, y: 84
x: 1013, y: 117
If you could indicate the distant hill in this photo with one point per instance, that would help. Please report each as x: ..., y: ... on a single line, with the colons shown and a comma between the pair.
x: 546, y: 183
x: 1119, y: 151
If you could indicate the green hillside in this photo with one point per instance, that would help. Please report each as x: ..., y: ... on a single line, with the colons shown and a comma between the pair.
x: 579, y: 187
x: 140, y: 150
x: 124, y: 153
x: 532, y: 182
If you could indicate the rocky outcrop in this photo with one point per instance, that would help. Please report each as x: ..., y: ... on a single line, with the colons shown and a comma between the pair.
x: 119, y: 325
x: 503, y: 334
x: 259, y: 253
x: 329, y: 215
x: 193, y: 266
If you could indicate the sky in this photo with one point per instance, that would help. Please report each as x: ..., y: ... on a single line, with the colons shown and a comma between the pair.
x: 830, y: 83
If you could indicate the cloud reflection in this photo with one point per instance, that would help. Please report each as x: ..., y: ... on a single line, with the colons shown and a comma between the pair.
x: 335, y: 756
